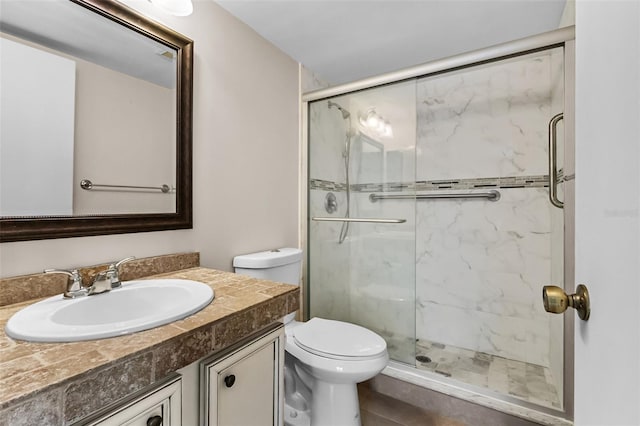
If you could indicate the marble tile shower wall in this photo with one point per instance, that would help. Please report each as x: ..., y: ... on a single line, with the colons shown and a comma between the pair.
x: 327, y: 130
x: 479, y: 268
x: 383, y: 273
x: 369, y: 279
x: 489, y: 121
x: 329, y: 267
x: 480, y: 264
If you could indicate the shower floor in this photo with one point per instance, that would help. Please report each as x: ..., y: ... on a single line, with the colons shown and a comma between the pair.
x: 522, y: 380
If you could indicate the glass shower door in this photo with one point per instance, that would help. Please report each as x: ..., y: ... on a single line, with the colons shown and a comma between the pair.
x: 361, y: 244
x: 481, y: 264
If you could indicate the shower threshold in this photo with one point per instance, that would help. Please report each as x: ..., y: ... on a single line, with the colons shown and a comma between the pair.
x: 529, y: 382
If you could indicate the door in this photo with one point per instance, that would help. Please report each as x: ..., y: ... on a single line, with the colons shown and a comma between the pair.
x: 607, y: 347
x: 362, y: 241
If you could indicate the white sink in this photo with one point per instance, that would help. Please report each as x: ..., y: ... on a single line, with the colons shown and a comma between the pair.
x: 137, y: 305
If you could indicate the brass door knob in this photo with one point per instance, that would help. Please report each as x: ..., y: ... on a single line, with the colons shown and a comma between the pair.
x: 557, y: 301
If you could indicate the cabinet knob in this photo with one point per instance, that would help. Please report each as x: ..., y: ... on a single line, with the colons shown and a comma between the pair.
x: 229, y: 380
x: 154, y: 421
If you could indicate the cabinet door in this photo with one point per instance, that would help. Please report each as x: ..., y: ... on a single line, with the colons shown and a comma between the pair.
x: 245, y: 390
x: 159, y: 406
x: 244, y: 387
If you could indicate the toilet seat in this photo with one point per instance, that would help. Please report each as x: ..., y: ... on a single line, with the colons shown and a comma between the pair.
x: 338, y: 340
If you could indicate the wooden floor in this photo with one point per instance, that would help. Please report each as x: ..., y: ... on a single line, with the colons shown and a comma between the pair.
x: 377, y: 409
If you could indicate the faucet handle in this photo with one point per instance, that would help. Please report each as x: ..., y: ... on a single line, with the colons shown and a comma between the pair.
x: 112, y: 272
x: 75, y: 287
x: 125, y: 260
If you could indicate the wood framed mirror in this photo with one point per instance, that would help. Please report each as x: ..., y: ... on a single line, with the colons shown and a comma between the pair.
x: 130, y: 137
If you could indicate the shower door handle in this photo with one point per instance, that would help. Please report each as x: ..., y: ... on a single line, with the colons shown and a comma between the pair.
x: 553, y: 167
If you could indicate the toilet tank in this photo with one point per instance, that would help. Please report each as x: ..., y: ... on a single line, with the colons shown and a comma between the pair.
x: 281, y: 265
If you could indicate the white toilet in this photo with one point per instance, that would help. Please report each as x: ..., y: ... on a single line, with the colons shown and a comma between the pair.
x: 324, y: 359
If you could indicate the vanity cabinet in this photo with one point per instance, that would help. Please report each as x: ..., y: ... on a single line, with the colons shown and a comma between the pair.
x: 160, y: 405
x: 244, y: 385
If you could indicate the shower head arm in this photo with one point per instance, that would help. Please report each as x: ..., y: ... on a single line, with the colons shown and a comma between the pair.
x: 345, y: 114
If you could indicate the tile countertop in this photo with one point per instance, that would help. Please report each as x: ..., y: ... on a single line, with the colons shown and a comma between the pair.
x: 242, y: 305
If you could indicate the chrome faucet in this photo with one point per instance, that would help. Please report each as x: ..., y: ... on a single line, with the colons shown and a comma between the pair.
x: 75, y: 287
x: 112, y: 272
x: 102, y: 282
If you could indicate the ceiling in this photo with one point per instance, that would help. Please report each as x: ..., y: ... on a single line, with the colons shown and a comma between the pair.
x: 347, y: 40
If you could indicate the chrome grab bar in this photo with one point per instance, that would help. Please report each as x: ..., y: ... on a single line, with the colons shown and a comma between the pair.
x: 357, y: 219
x: 492, y: 195
x: 553, y: 168
x: 87, y: 184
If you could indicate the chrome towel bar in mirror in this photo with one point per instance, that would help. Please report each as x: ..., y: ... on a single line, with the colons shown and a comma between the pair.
x: 88, y: 185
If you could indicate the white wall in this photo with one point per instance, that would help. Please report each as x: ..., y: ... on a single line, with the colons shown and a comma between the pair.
x: 111, y: 154
x: 245, y: 156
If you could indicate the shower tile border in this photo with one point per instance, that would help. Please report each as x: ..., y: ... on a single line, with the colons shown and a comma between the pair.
x: 508, y: 182
x: 327, y: 185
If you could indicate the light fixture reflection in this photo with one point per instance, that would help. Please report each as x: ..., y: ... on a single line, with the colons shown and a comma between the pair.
x: 373, y: 121
x: 174, y: 7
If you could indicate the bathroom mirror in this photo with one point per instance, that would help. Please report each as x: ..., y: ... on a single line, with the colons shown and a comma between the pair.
x: 96, y: 121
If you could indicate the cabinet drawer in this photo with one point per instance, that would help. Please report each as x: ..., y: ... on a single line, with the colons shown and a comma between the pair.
x: 156, y: 416
x: 158, y: 406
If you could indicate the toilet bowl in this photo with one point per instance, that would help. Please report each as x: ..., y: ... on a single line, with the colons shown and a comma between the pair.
x: 330, y: 358
x: 324, y: 359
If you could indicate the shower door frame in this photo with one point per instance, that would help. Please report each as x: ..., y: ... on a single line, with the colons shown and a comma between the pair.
x: 563, y: 37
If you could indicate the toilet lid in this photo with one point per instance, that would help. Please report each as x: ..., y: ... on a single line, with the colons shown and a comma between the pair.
x: 337, y: 339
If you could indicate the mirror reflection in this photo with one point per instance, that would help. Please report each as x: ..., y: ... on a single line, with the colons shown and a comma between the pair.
x: 84, y: 98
